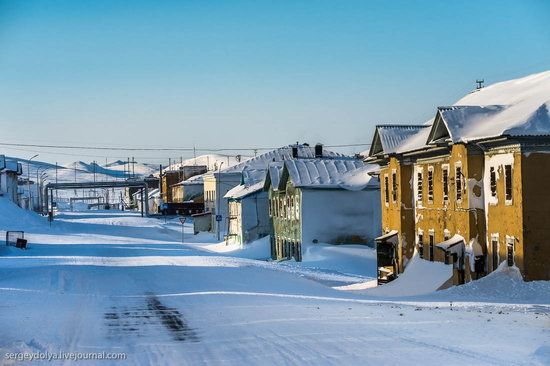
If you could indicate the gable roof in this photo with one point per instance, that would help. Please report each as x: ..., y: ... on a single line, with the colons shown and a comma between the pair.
x: 517, y: 107
x: 320, y: 173
x: 273, y: 175
x: 283, y: 153
x: 387, y: 138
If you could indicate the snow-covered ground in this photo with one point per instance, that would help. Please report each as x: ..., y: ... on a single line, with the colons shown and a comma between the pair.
x: 116, y: 282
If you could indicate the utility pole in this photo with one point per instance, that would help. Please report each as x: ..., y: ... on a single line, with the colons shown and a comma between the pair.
x: 29, y: 179
x: 218, y: 194
x: 56, y: 198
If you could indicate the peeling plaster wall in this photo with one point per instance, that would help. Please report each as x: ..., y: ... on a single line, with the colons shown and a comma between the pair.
x: 465, y: 216
x: 399, y: 215
x: 504, y: 219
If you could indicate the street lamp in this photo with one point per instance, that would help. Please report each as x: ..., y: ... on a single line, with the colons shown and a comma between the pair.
x: 29, y: 178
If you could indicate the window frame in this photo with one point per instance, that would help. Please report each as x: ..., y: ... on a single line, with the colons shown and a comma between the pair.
x: 419, y: 184
x: 493, y: 182
x: 386, y: 189
x: 431, y: 244
x: 495, y: 254
x: 394, y: 185
x: 459, y: 186
x: 445, y: 169
x: 420, y: 242
x: 430, y: 184
x: 510, y: 242
x: 508, y: 199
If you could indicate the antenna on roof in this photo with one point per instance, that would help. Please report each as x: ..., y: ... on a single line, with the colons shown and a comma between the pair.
x: 479, y: 83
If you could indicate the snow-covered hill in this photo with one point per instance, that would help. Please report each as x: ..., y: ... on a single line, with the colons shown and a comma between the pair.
x: 212, y: 161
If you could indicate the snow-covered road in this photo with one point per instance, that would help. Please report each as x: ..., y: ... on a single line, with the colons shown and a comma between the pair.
x: 116, y: 282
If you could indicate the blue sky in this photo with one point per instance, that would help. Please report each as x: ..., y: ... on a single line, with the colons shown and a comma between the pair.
x: 246, y: 74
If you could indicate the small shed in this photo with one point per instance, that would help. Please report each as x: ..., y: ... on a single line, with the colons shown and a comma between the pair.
x: 201, y: 222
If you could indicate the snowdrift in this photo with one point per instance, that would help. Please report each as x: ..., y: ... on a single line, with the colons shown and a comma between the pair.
x: 503, y: 285
x: 13, y: 217
x: 420, y: 277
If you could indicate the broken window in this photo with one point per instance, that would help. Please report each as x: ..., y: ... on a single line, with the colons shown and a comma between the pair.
x: 508, y: 180
x: 432, y: 242
x: 510, y: 251
x: 430, y: 184
x: 493, y: 178
x: 494, y: 250
x: 394, y: 186
x: 386, y: 189
x: 419, y: 186
x: 445, y: 174
x: 458, y: 182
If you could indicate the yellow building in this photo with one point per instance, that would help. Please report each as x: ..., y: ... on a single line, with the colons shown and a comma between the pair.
x: 396, y: 246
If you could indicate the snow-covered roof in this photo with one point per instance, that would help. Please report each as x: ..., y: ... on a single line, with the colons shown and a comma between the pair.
x: 253, y: 181
x: 281, y: 154
x: 323, y: 173
x: 361, y: 178
x: 452, y: 245
x: 13, y: 167
x: 243, y: 190
x: 196, y: 179
x: 388, y: 138
x: 252, y: 176
x: 387, y: 235
x: 517, y: 107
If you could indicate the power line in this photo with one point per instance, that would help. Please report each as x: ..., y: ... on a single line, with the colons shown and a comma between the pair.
x: 119, y: 148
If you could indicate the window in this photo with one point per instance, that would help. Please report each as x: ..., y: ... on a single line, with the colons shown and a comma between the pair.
x: 394, y: 186
x: 508, y: 182
x: 297, y: 206
x: 432, y: 242
x: 421, y: 244
x: 386, y: 189
x: 291, y: 207
x: 419, y: 186
x: 494, y: 251
x: 430, y: 184
x: 510, y: 251
x: 270, y: 208
x: 493, y: 178
x: 445, y: 174
x: 458, y: 182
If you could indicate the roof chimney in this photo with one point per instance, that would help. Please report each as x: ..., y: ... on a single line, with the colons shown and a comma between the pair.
x: 295, y: 151
x: 318, y: 150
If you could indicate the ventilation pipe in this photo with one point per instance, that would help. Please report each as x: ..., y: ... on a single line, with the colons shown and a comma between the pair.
x: 319, y: 151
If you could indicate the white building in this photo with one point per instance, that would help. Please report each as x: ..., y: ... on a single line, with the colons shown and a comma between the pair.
x: 218, y: 183
x: 248, y: 209
x: 9, y: 175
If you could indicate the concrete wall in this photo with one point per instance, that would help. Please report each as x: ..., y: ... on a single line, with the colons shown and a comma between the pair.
x: 339, y: 216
